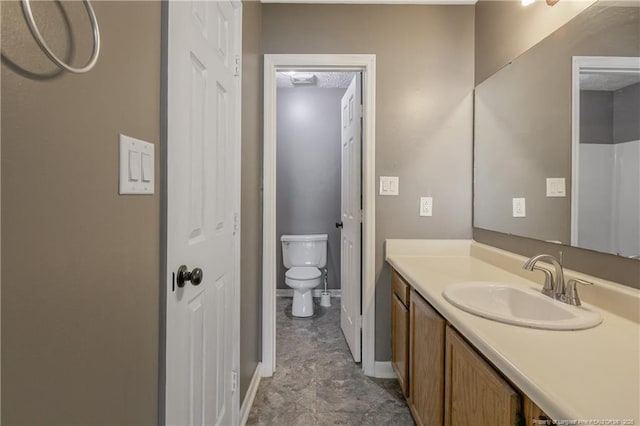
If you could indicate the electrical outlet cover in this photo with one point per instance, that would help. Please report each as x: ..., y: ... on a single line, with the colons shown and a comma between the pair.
x: 426, y: 206
x: 519, y: 207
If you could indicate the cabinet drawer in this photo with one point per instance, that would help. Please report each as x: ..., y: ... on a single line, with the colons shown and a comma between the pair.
x: 400, y: 288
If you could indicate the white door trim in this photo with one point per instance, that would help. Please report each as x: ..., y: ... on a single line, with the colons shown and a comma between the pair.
x: 366, y: 64
x: 237, y: 202
x: 610, y: 64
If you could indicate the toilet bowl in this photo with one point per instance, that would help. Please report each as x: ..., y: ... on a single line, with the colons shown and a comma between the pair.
x: 304, y: 256
x: 303, y: 279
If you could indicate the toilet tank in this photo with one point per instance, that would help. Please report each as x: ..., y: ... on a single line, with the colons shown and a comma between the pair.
x: 304, y: 250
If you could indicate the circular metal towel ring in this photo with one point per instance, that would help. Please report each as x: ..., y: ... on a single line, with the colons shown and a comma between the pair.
x: 26, y: 7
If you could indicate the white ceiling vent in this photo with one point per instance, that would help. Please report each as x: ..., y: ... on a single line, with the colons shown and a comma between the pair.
x: 298, y: 79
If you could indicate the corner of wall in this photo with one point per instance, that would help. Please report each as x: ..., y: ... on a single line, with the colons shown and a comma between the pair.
x: 251, y: 219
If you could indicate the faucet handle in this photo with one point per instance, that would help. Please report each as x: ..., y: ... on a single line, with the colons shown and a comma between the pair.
x: 547, y: 289
x: 572, y: 292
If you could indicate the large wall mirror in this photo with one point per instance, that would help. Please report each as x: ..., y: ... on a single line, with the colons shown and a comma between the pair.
x: 557, y: 136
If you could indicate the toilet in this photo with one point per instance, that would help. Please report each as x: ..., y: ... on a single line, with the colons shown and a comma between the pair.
x: 304, y: 256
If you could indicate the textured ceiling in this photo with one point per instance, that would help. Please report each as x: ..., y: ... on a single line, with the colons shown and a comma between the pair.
x: 324, y: 80
x: 607, y: 81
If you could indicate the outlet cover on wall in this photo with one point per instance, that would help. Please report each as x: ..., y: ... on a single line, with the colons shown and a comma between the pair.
x: 556, y: 187
x: 389, y: 185
x: 519, y: 207
x: 426, y: 206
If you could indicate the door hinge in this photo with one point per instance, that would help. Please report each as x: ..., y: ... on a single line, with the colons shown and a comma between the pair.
x: 237, y: 66
x: 234, y: 380
x: 360, y: 321
x: 361, y: 111
x: 236, y: 223
x: 361, y: 215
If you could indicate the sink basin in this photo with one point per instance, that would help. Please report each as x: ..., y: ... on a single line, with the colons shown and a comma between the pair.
x: 516, y: 305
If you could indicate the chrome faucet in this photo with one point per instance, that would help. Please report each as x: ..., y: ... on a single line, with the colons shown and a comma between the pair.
x: 572, y: 292
x: 554, y: 285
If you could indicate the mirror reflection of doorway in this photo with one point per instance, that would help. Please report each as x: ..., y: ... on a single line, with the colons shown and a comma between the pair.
x: 606, y: 152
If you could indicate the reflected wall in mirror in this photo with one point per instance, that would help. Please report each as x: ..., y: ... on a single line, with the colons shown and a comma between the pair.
x: 523, y: 137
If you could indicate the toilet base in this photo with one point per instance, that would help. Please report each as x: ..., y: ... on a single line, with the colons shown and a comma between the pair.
x: 302, y: 303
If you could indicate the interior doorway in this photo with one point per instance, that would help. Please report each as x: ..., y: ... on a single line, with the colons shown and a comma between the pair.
x: 357, y: 199
x: 605, y: 203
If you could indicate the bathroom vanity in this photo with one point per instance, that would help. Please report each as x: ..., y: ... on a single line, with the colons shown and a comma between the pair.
x: 456, y: 368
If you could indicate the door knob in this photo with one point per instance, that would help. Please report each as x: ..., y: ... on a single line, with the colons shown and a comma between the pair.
x: 185, y: 275
x: 338, y: 224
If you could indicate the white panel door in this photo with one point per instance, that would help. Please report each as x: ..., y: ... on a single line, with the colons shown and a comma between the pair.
x: 202, y: 192
x: 351, y: 205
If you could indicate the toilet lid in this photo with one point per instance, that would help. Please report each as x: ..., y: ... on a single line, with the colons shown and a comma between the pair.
x: 303, y: 273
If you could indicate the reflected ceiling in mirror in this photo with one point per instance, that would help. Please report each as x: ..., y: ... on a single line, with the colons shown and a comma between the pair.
x: 524, y: 131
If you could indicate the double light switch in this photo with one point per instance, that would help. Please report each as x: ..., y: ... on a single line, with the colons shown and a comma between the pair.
x: 389, y: 185
x: 136, y: 166
x: 556, y: 187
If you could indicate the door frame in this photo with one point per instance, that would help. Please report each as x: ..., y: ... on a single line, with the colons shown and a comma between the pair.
x: 165, y: 268
x: 611, y: 64
x: 318, y: 62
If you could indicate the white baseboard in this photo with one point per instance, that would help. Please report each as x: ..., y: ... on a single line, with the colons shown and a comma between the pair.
x: 288, y: 292
x: 383, y: 370
x: 245, y: 409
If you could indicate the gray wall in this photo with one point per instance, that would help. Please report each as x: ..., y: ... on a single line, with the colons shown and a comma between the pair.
x: 506, y: 29
x: 490, y: 26
x: 423, y: 111
x: 308, y: 163
x: 80, y: 276
x: 626, y: 113
x: 610, y: 116
x: 596, y: 116
x: 251, y: 196
x: 615, y: 268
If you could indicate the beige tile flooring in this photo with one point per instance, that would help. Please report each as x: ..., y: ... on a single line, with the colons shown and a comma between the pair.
x: 316, y: 381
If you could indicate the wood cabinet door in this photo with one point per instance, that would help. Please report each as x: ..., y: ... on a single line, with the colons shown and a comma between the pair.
x: 475, y: 393
x: 426, y: 360
x: 533, y: 414
x: 400, y: 342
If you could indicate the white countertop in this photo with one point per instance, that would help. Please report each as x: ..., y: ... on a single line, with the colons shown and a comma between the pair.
x: 585, y: 375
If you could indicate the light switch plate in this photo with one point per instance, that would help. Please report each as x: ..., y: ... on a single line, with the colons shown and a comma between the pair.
x: 136, y: 166
x: 389, y: 185
x: 556, y: 187
x: 426, y: 206
x: 519, y: 207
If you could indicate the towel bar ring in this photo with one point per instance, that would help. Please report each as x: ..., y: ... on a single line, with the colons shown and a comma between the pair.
x: 26, y: 8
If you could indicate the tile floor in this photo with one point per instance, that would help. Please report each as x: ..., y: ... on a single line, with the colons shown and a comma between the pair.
x: 316, y: 381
